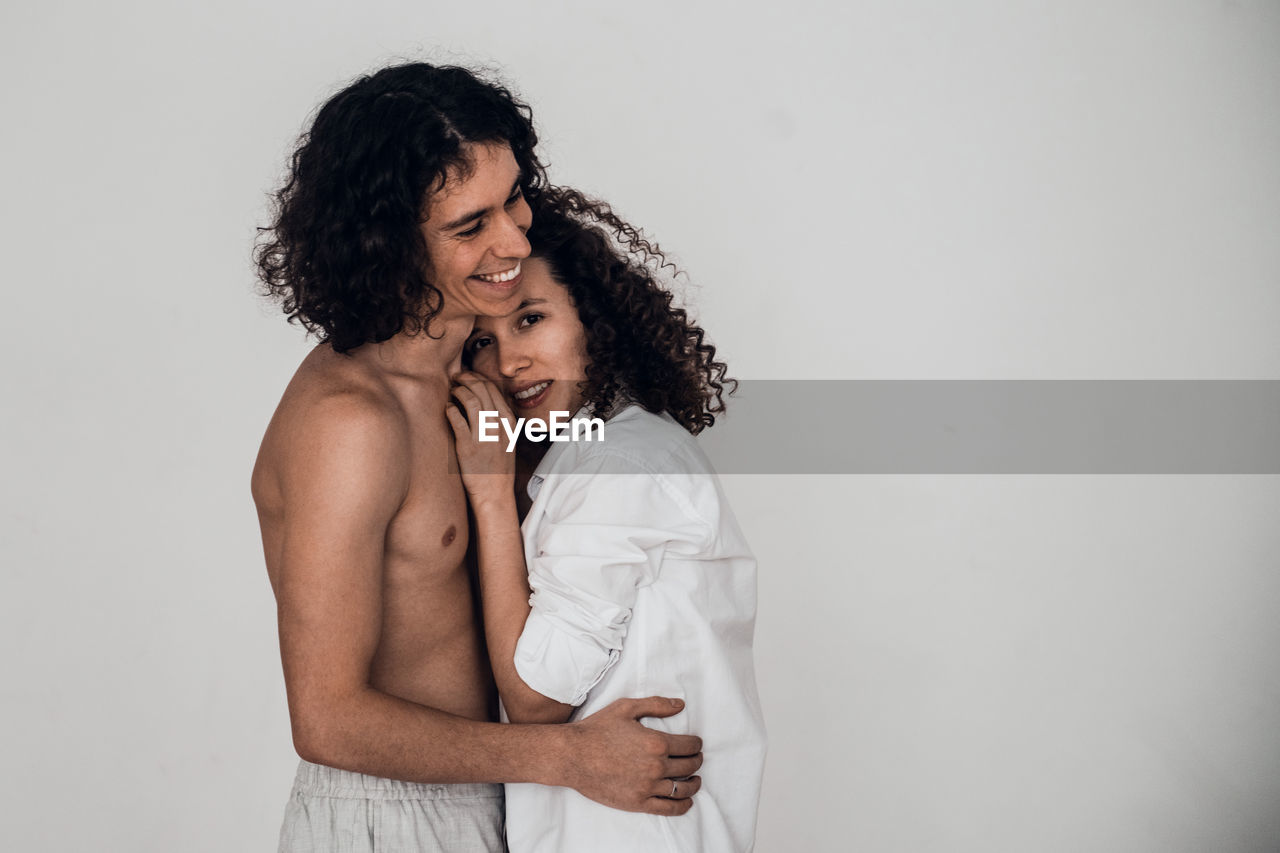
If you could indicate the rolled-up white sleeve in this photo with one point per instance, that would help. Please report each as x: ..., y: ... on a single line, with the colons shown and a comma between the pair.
x: 601, y: 538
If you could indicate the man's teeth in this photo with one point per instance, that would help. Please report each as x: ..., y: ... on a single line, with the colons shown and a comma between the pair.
x: 531, y: 391
x: 500, y: 277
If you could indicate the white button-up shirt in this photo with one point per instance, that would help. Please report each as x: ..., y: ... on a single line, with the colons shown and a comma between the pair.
x: 642, y: 585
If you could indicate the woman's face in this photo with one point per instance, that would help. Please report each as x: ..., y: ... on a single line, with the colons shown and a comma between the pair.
x: 537, y: 354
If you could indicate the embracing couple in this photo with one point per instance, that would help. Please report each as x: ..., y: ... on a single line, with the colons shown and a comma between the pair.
x: 428, y: 583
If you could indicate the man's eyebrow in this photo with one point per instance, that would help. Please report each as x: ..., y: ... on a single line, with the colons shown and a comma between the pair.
x: 476, y: 214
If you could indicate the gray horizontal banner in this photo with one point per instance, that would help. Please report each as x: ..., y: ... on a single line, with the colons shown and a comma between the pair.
x: 999, y: 427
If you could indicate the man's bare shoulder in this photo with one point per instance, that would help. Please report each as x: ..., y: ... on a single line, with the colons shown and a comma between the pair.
x: 334, y: 412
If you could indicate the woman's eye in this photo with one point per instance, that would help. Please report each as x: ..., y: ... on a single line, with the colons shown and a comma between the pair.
x: 530, y: 319
x: 478, y: 344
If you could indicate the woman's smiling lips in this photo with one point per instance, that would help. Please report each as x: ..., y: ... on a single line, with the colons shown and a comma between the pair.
x: 528, y: 396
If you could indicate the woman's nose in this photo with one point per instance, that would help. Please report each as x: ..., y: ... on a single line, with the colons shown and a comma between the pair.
x: 512, y: 360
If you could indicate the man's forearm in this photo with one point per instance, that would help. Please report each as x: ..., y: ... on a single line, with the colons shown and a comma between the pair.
x: 609, y: 757
x: 372, y: 732
x: 504, y: 591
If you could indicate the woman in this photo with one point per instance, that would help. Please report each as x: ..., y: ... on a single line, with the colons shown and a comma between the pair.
x: 638, y: 580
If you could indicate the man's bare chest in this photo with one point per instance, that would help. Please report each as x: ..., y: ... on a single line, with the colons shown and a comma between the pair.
x: 427, y: 538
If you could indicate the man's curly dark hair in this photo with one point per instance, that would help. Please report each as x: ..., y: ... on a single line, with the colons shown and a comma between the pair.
x: 639, y: 345
x: 345, y: 254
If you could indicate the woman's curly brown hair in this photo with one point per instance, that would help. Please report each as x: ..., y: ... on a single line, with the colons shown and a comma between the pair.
x: 639, y: 345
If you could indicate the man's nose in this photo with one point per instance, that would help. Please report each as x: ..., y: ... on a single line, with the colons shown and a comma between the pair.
x: 512, y: 242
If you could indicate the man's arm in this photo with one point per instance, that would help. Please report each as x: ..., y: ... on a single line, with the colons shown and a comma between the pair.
x: 342, y: 483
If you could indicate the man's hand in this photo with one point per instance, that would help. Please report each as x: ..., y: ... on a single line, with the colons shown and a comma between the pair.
x: 618, y: 762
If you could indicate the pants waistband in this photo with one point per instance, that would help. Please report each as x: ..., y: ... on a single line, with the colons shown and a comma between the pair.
x: 317, y: 780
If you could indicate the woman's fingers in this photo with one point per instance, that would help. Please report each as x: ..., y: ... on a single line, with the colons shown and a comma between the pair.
x: 474, y: 399
x: 458, y: 421
x: 470, y: 403
x: 484, y: 390
x: 487, y: 392
x: 473, y: 385
x: 479, y: 449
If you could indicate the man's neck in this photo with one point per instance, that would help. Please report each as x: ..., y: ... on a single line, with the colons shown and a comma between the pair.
x: 431, y: 353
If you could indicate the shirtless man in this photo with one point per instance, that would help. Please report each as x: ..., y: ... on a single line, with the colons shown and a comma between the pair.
x: 405, y: 215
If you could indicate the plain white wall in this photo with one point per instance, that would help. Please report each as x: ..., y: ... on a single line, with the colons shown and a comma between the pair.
x: 985, y: 189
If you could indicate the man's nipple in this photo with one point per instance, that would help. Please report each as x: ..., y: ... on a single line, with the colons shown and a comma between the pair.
x: 449, y: 535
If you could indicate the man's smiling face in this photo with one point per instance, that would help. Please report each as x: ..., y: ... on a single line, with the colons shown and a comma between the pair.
x: 475, y: 234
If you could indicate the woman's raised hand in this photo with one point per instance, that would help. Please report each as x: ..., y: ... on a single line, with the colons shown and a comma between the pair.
x: 488, y: 466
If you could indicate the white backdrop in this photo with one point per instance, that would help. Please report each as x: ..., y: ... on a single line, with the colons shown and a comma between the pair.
x: 989, y: 189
